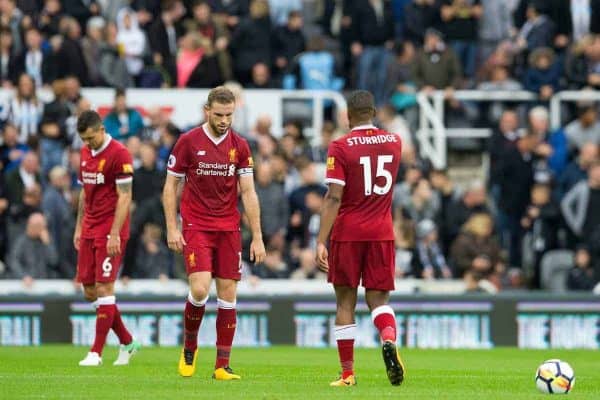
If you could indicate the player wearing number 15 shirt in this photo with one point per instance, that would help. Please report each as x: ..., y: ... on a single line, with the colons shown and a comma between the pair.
x: 102, y: 230
x: 361, y: 171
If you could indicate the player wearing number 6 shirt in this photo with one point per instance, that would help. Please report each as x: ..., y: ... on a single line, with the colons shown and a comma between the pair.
x: 361, y: 170
x: 102, y: 230
x: 213, y: 160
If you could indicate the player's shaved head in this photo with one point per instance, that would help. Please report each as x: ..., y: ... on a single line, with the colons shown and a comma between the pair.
x: 361, y: 107
x: 88, y: 119
x: 221, y: 95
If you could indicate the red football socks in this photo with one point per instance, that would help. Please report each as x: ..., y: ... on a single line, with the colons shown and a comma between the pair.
x: 226, y: 322
x: 105, y: 314
x: 344, y: 335
x: 385, y: 321
x: 119, y: 327
x: 194, y: 311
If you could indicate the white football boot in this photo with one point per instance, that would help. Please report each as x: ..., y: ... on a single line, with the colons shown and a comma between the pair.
x: 126, y: 351
x: 91, y: 360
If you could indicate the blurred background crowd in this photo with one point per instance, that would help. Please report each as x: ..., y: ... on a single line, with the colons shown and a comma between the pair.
x: 539, y: 204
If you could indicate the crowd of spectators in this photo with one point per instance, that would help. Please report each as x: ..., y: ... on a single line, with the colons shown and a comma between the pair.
x: 542, y: 193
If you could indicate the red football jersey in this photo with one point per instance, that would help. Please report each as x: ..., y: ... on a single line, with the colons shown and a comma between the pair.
x: 100, y: 171
x: 211, y: 168
x: 366, y: 162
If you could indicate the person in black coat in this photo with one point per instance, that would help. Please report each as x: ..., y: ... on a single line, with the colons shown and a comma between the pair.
x: 373, y: 39
x: 208, y: 72
x: 72, y: 61
x: 251, y: 42
x: 163, y: 35
x: 516, y: 179
x: 288, y: 42
x: 10, y: 64
x: 581, y: 276
x: 502, y: 139
x: 81, y: 10
x: 541, y: 222
x: 418, y: 16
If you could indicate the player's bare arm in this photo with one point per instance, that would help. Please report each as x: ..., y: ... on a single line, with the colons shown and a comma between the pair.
x: 250, y: 202
x: 80, y: 213
x: 113, y: 245
x: 331, y: 207
x: 175, y: 239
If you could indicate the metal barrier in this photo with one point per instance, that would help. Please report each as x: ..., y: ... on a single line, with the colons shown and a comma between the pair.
x: 432, y: 132
x: 568, y: 96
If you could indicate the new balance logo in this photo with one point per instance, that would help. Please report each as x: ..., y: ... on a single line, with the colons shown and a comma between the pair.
x: 201, y: 153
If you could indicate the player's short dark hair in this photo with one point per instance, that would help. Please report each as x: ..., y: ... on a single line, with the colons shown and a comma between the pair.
x: 221, y: 95
x: 119, y: 92
x: 88, y: 119
x: 361, y: 103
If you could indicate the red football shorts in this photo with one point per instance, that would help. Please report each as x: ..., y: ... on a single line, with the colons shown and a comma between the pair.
x: 373, y: 262
x: 214, y: 251
x: 94, y: 264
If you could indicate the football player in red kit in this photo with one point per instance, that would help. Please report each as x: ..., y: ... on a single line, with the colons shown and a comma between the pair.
x: 213, y: 160
x: 102, y: 230
x: 361, y: 171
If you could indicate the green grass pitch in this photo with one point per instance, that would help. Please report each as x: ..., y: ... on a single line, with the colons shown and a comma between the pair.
x: 51, y: 372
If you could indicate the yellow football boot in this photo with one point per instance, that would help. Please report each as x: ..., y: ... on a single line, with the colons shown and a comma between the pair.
x: 349, y: 381
x: 225, y: 374
x: 187, y: 362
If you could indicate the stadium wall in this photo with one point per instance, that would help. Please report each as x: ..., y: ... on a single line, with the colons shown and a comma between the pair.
x: 466, y: 322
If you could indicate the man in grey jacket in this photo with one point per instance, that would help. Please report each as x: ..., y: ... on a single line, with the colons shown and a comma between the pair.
x: 33, y: 255
x: 581, y: 205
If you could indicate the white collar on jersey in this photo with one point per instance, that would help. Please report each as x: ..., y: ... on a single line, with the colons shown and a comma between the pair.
x: 363, y: 127
x: 107, y: 140
x: 217, y: 140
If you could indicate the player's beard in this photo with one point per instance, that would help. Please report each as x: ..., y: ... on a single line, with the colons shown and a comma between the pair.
x: 219, y: 130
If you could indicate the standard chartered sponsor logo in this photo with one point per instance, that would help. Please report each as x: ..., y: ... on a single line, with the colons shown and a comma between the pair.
x: 93, y: 178
x: 215, y: 169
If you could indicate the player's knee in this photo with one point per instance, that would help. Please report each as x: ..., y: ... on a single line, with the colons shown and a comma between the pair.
x: 199, y: 292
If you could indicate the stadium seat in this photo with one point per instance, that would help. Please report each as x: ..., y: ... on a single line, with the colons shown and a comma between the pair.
x: 554, y: 268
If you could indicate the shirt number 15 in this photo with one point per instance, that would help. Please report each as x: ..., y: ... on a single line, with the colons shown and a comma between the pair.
x: 381, y: 171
